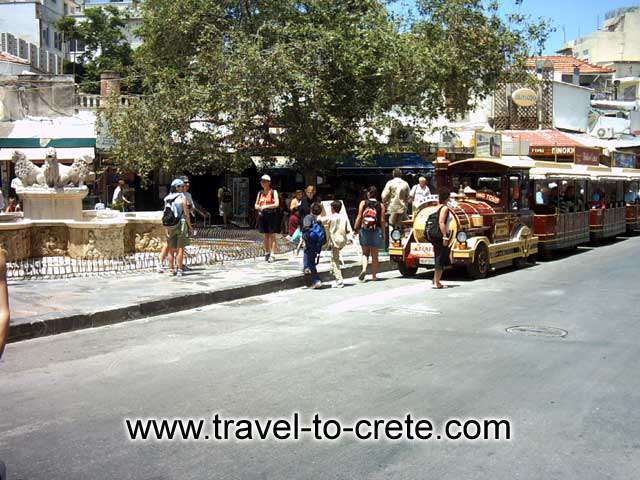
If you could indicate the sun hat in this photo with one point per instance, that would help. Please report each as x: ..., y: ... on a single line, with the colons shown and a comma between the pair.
x: 265, y: 177
x: 177, y: 183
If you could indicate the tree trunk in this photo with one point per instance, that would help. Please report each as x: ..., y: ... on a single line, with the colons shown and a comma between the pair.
x: 310, y: 177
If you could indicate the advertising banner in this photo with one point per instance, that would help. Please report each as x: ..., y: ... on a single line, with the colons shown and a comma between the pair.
x: 488, y: 145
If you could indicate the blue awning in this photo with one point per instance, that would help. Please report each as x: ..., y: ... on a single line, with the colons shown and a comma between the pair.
x: 389, y: 161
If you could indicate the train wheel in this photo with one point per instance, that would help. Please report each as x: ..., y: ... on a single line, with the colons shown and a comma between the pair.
x: 407, y: 271
x: 480, y: 266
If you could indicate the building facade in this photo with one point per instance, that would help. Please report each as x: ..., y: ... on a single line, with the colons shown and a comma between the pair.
x: 616, y: 44
x: 27, y: 31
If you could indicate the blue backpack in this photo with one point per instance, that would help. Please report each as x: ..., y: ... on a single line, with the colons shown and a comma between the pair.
x: 315, y: 237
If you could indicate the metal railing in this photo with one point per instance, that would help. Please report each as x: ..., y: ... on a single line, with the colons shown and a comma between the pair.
x: 209, y: 246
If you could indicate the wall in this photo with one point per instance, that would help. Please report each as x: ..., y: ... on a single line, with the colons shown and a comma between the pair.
x: 41, y: 102
x: 571, y: 106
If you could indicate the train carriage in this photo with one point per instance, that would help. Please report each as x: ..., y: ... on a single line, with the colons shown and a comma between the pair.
x: 632, y: 199
x: 562, y: 215
x: 608, y: 212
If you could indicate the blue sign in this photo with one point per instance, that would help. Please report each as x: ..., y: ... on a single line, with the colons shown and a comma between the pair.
x: 624, y: 160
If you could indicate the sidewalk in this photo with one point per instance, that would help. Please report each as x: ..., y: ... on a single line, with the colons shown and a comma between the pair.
x: 49, y: 307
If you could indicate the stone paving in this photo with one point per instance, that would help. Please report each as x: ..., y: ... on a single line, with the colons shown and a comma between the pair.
x: 45, y: 307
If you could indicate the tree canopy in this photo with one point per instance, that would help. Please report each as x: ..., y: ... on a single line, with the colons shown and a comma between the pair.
x: 312, y: 80
x: 105, y: 44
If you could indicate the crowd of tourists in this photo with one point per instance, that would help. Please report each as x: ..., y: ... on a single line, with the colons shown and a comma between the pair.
x: 312, y: 226
x: 308, y: 224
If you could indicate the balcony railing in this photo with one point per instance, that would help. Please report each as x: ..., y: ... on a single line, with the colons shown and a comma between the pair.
x: 92, y: 101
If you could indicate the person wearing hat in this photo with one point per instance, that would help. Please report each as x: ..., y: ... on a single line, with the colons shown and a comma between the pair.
x: 177, y: 236
x: 267, y: 206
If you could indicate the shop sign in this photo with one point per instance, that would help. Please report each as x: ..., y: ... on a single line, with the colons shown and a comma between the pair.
x: 524, y: 97
x: 624, y: 159
x: 587, y: 156
x: 549, y: 151
x: 488, y: 145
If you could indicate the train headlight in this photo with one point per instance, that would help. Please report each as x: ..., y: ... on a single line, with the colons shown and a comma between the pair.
x: 461, y: 237
x: 396, y: 235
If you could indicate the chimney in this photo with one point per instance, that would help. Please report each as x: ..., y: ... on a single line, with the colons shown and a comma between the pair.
x: 109, y: 85
x: 576, y: 75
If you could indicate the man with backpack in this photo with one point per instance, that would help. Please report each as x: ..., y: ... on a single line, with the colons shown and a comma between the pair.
x: 177, y: 223
x: 314, y: 238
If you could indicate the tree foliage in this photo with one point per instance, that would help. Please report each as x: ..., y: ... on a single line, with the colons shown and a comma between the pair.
x: 309, y: 79
x: 106, y: 45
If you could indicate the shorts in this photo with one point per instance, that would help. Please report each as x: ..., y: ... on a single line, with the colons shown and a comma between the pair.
x: 178, y: 236
x: 226, y: 209
x: 269, y: 222
x: 371, y: 238
x: 441, y: 253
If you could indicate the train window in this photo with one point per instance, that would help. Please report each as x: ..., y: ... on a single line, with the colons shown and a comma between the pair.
x: 546, y: 196
x: 487, y: 187
x: 632, y: 192
x: 518, y: 192
x: 570, y: 197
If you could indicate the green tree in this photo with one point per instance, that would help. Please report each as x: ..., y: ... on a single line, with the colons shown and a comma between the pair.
x: 309, y: 79
x: 106, y: 46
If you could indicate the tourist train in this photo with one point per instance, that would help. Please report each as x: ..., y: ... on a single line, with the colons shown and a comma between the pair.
x: 506, y: 210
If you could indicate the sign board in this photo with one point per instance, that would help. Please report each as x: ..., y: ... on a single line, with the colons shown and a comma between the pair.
x: 240, y: 190
x: 524, y: 97
x: 624, y: 159
x: 549, y: 151
x: 587, y: 156
x: 488, y: 145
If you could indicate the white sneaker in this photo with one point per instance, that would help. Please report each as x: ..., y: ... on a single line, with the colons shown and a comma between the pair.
x: 180, y: 273
x: 338, y: 285
x: 316, y: 285
x: 159, y: 270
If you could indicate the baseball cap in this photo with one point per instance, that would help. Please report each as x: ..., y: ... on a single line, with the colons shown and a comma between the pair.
x: 266, y: 177
x: 177, y: 183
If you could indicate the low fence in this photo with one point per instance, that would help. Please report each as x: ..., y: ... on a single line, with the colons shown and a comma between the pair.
x: 208, y: 246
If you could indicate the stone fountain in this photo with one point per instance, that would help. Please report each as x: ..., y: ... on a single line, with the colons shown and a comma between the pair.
x: 55, y: 225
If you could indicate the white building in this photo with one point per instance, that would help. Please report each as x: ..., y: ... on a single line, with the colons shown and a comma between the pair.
x: 616, y: 44
x: 27, y: 31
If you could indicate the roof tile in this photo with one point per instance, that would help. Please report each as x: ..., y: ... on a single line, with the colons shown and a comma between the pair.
x: 565, y: 64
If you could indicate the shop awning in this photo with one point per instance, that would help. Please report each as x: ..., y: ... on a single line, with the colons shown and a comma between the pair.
x: 404, y: 161
x: 66, y: 155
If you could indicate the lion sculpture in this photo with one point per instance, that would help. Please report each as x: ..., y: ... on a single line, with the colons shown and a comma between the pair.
x: 52, y: 174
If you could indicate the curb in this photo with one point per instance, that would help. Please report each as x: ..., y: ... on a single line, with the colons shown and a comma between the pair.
x: 178, y: 303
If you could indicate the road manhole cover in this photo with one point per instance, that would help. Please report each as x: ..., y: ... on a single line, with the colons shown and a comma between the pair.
x: 538, y: 331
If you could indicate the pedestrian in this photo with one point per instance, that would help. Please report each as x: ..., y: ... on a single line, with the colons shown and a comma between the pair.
x: 119, y: 200
x: 395, y: 197
x: 419, y: 194
x: 309, y: 198
x: 370, y: 224
x: 441, y: 246
x: 12, y: 206
x: 294, y: 223
x: 178, y: 233
x: 314, y: 238
x: 225, y: 203
x: 297, y: 198
x: 267, y: 206
x: 5, y: 318
x: 338, y: 230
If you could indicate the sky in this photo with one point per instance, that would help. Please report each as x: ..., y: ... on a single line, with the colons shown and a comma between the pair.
x: 576, y: 17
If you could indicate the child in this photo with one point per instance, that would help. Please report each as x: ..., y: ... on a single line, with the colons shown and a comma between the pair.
x: 314, y: 238
x: 338, y: 230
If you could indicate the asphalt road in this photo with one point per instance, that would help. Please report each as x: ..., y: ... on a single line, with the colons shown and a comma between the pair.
x: 374, y: 350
